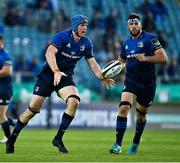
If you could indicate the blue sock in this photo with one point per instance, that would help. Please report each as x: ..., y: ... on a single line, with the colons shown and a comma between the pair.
x: 139, y: 131
x: 6, y: 128
x: 17, y: 129
x: 66, y: 121
x: 121, y: 125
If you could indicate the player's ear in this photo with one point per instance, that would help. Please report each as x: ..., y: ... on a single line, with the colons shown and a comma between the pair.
x: 141, y: 25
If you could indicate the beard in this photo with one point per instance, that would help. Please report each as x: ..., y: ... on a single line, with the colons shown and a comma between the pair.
x: 135, y: 34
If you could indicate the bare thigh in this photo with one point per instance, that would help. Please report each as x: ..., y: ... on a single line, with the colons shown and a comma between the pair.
x: 65, y: 92
x: 36, y: 101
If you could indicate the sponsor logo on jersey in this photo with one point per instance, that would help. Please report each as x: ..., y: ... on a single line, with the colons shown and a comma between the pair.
x: 70, y: 56
x: 140, y: 44
x: 133, y: 55
x: 68, y: 45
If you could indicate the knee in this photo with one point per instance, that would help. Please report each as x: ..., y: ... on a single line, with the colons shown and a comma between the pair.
x: 73, y: 103
x: 141, y: 116
x: 124, y: 108
x: 2, y: 116
x: 28, y: 114
x: 34, y: 110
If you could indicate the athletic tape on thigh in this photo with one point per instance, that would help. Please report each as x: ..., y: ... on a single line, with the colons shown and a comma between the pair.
x: 141, y: 112
x: 125, y: 103
x: 34, y: 110
x: 74, y: 96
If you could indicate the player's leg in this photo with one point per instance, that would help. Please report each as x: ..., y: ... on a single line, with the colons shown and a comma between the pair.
x: 4, y: 123
x: 33, y: 108
x: 5, y: 99
x: 141, y: 112
x: 121, y: 122
x: 71, y: 96
x: 144, y: 101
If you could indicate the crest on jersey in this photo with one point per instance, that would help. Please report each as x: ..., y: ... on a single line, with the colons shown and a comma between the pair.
x: 126, y: 47
x: 140, y: 44
x: 68, y: 45
x: 82, y: 47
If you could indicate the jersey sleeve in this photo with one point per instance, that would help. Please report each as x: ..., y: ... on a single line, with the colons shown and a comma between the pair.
x: 122, y: 51
x: 154, y: 44
x: 8, y: 61
x: 89, y: 53
x: 57, y: 40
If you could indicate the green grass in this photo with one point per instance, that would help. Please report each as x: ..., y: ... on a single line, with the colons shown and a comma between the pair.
x: 92, y: 146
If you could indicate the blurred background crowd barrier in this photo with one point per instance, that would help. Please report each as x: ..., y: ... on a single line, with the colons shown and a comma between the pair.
x: 27, y: 27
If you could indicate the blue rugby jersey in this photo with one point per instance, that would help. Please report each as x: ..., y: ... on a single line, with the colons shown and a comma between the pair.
x: 69, y: 53
x: 136, y: 71
x: 5, y: 59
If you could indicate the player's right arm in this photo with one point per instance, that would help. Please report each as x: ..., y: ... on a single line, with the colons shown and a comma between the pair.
x: 51, y: 60
x: 7, y: 68
x: 122, y: 61
x: 122, y: 57
x: 5, y: 71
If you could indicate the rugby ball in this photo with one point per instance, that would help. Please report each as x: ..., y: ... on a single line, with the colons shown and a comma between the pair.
x: 111, y: 69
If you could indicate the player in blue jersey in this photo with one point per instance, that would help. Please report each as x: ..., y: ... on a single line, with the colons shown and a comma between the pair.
x: 139, y: 52
x: 5, y: 88
x: 65, y: 50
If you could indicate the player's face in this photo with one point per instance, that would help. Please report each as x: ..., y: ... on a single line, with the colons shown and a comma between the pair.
x: 134, y: 26
x: 82, y: 28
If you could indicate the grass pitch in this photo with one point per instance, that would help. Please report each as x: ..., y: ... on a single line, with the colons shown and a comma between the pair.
x: 34, y: 145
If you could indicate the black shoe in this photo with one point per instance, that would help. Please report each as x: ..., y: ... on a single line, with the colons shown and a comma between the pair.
x: 60, y: 146
x: 9, y: 148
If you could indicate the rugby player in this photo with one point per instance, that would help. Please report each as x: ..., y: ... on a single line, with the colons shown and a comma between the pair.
x: 6, y: 89
x: 140, y: 52
x: 64, y: 51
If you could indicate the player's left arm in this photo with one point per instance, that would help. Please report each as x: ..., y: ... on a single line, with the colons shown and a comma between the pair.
x: 97, y: 72
x: 6, y: 69
x: 158, y: 57
x: 158, y: 53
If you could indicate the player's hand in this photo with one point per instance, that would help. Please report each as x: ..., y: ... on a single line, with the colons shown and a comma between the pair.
x: 57, y: 77
x: 107, y: 82
x: 140, y: 57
